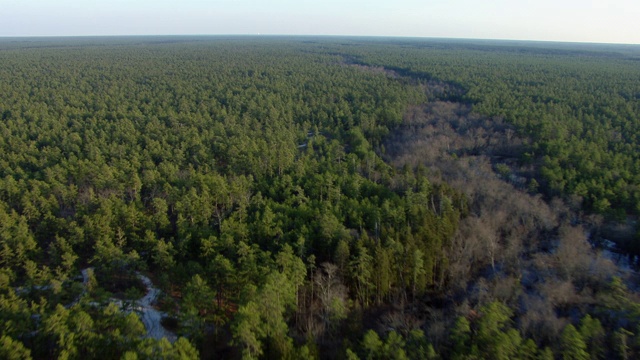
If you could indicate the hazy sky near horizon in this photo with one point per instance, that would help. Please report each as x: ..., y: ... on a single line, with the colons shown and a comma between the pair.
x: 612, y: 21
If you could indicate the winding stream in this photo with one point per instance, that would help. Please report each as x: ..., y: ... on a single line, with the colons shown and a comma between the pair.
x: 150, y: 317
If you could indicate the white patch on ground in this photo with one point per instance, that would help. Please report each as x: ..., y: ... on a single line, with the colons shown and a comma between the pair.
x: 150, y: 317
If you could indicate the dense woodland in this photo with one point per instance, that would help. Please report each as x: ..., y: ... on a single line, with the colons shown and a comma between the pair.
x: 318, y: 198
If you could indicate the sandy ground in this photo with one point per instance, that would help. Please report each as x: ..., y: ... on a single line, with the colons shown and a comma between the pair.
x: 150, y: 317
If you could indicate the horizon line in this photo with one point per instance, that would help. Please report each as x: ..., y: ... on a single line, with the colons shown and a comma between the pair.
x: 316, y: 35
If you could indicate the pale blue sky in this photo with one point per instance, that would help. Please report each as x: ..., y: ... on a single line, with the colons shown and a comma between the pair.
x: 613, y: 21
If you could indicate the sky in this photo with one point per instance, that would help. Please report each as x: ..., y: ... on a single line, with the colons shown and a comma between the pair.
x: 602, y: 21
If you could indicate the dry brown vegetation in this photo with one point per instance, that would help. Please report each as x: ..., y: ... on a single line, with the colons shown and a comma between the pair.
x: 513, y: 246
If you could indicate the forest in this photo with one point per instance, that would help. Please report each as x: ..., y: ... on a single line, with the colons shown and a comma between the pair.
x: 318, y: 198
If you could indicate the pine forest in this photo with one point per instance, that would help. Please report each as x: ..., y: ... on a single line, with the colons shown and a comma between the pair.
x: 273, y: 197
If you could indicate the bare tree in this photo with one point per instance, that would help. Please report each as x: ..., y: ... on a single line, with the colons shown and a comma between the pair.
x: 328, y: 304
